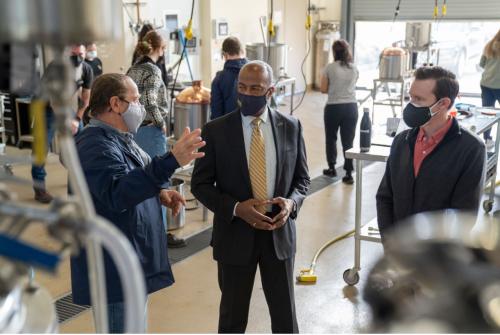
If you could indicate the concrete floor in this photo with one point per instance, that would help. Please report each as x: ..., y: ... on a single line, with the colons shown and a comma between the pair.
x: 191, y: 304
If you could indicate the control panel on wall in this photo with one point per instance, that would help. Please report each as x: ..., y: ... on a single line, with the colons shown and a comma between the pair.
x: 173, y: 29
x: 220, y: 29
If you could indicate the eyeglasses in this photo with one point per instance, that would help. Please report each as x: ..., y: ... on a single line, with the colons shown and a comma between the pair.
x: 130, y: 102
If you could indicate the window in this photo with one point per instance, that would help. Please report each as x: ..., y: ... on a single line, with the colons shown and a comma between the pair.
x: 456, y: 46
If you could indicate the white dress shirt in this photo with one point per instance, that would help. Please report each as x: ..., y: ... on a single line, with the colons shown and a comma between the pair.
x: 271, y: 160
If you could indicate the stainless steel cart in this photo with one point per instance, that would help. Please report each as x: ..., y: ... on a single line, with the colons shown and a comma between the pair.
x: 370, y: 231
x: 477, y: 124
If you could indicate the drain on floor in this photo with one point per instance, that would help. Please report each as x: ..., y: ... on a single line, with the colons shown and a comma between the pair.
x: 67, y: 310
x: 320, y: 182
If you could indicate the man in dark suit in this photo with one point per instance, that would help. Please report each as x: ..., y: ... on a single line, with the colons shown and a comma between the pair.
x: 254, y: 178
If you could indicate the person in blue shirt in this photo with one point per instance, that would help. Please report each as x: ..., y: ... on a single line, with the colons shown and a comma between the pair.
x: 223, y: 98
x: 127, y: 187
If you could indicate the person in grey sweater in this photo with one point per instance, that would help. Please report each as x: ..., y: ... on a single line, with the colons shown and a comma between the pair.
x: 490, y: 79
x: 341, y: 110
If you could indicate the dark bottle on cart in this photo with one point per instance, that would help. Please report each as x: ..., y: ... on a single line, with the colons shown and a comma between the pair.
x: 365, y: 131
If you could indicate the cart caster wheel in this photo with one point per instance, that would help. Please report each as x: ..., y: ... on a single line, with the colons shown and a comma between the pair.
x: 487, y: 205
x: 349, y: 279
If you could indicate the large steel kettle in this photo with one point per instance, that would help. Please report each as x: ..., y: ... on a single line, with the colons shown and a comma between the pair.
x: 393, y: 63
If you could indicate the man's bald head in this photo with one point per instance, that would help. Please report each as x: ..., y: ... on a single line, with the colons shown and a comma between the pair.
x: 258, y: 68
x: 255, y: 87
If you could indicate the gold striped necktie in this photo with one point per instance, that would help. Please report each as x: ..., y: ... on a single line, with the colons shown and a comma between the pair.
x: 257, y: 164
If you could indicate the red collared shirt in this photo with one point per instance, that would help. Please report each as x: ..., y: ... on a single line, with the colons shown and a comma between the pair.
x: 424, y: 146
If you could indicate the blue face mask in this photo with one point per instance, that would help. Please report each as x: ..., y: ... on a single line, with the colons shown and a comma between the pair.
x: 251, y: 104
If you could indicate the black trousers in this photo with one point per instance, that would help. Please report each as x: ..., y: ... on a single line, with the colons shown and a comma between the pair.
x: 489, y: 96
x: 345, y: 117
x: 236, y: 284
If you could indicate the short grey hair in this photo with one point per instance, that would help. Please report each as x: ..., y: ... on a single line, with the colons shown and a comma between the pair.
x: 265, y: 67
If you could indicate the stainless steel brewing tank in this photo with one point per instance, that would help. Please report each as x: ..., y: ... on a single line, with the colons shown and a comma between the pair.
x: 176, y: 222
x: 323, y: 52
x: 192, y: 115
x: 393, y: 63
x: 418, y: 35
x: 275, y: 55
x: 60, y: 21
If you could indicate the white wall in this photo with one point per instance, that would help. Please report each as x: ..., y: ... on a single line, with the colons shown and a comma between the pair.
x: 332, y: 11
x: 241, y: 15
x: 117, y: 56
x: 294, y: 34
x: 243, y: 19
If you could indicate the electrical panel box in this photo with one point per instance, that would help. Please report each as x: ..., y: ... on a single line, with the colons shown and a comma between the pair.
x: 220, y: 29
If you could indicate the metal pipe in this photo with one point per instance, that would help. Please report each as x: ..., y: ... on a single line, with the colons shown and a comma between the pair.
x: 262, y: 29
x: 2, y: 123
x: 138, y: 5
x: 357, y: 225
x: 95, y: 255
x: 59, y: 91
x: 28, y: 213
x: 130, y: 271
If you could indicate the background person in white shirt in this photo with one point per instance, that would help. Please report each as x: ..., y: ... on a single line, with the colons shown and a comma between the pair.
x: 341, y: 110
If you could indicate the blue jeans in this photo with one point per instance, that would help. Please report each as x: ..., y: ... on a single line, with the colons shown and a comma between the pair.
x: 38, y: 172
x: 489, y: 96
x: 116, y: 317
x: 153, y: 141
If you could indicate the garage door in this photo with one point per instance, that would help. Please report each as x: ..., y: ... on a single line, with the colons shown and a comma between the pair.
x: 374, y: 10
x: 414, y: 10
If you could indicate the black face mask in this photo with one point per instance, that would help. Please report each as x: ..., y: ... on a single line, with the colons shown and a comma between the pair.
x: 251, y: 104
x: 76, y: 60
x: 417, y: 116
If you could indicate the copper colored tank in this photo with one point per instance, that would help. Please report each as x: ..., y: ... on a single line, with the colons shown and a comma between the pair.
x: 191, y: 108
x: 196, y: 94
x: 393, y: 63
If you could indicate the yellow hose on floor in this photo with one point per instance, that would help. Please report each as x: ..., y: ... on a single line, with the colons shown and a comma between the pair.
x: 308, y: 275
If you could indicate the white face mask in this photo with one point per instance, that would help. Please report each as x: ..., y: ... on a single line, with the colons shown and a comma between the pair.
x: 91, y: 54
x: 133, y: 116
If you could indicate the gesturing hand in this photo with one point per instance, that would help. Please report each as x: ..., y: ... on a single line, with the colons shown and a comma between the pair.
x: 247, y: 211
x: 184, y: 149
x: 173, y: 200
x: 75, y: 124
x: 286, y: 206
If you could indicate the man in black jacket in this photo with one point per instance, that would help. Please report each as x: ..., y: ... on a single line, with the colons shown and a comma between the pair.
x: 254, y: 178
x: 436, y: 164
